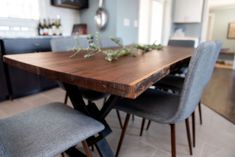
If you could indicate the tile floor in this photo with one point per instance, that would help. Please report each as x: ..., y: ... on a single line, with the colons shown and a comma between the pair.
x: 215, y: 138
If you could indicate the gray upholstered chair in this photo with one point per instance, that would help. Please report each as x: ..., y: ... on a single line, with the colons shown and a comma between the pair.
x: 182, y: 70
x: 63, y: 44
x: 60, y: 44
x: 166, y: 108
x: 175, y: 84
x: 46, y: 131
x: 181, y: 43
x: 105, y: 42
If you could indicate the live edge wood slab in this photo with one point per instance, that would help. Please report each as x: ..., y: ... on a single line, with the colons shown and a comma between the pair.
x: 126, y: 77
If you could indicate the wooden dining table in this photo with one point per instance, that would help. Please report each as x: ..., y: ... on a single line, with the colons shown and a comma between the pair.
x: 126, y: 77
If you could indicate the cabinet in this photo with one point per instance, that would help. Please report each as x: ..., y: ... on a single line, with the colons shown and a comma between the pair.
x: 74, y: 4
x: 188, y: 11
x: 3, y: 84
x: 21, y: 82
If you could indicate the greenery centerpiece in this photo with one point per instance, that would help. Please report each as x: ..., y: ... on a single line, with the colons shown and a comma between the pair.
x: 114, y: 54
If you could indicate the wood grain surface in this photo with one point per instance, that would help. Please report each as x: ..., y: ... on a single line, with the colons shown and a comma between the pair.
x: 127, y: 77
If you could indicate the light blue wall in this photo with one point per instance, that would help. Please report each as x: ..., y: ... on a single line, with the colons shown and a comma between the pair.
x: 87, y: 16
x: 222, y: 19
x: 127, y: 9
x: 118, y: 10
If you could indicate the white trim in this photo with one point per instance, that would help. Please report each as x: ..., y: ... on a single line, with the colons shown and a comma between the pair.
x: 210, y: 27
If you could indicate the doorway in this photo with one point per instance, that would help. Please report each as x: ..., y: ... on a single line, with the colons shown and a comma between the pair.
x: 151, y: 21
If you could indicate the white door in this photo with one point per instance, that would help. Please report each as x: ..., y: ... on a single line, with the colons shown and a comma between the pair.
x: 156, y: 22
x: 151, y: 21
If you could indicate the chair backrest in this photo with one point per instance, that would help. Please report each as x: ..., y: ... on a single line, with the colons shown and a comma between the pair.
x: 182, y: 43
x: 200, y: 71
x: 107, y: 43
x: 68, y: 43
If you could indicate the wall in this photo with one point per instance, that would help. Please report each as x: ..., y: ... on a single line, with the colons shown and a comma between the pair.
x: 87, y: 16
x: 68, y: 16
x: 222, y: 18
x: 191, y: 29
x: 124, y: 9
x: 128, y: 10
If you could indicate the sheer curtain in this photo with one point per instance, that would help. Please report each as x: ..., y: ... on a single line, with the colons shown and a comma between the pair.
x: 18, y: 17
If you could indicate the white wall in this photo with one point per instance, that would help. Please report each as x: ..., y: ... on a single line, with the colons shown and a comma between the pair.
x: 15, y: 25
x: 68, y: 16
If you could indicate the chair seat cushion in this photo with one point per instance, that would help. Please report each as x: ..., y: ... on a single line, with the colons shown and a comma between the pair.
x: 45, y: 131
x: 152, y: 104
x: 172, y: 82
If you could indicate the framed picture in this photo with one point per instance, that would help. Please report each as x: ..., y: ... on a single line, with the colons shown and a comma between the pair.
x: 231, y: 30
x: 79, y: 29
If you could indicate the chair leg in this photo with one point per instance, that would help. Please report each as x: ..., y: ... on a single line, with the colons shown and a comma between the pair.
x: 62, y: 154
x: 92, y: 148
x: 142, y: 126
x: 194, y: 129
x: 86, y: 149
x: 119, y: 118
x: 148, y: 125
x: 105, y: 99
x: 200, y: 111
x: 188, y: 136
x: 122, y: 134
x: 173, y: 141
x: 66, y: 98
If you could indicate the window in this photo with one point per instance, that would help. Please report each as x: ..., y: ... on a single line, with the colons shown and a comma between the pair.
x: 25, y: 9
x: 19, y: 17
x: 151, y: 21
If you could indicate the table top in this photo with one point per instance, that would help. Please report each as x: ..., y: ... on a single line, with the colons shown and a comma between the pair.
x: 126, y: 77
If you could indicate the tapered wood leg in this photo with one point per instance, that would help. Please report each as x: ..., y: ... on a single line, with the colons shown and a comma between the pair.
x: 86, y: 149
x: 92, y: 148
x: 194, y: 129
x: 200, y: 112
x: 189, y: 136
x: 148, y: 125
x: 119, y: 118
x: 173, y: 141
x: 66, y: 98
x: 142, y: 126
x: 122, y: 134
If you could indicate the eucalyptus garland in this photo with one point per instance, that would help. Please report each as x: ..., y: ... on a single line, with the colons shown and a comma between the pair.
x: 115, y: 54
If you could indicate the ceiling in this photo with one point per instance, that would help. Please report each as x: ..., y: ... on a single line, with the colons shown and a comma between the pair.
x: 221, y: 3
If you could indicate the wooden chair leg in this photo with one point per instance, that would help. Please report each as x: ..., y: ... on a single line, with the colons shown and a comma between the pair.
x: 194, y: 129
x: 86, y: 149
x: 66, y: 98
x: 92, y: 148
x: 173, y: 141
x: 62, y: 154
x: 142, y: 126
x: 148, y: 125
x: 200, y: 112
x: 119, y: 118
x: 122, y: 134
x: 189, y: 136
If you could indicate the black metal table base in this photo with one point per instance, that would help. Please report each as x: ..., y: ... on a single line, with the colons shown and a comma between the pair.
x: 92, y: 110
